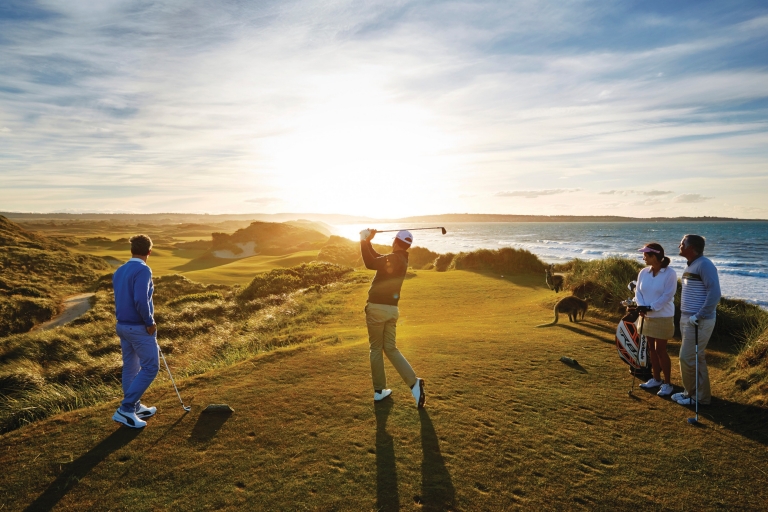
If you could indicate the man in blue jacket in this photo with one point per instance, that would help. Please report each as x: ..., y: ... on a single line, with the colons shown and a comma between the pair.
x: 136, y: 327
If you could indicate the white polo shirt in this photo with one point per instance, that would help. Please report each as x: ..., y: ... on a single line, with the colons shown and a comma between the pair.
x: 657, y: 291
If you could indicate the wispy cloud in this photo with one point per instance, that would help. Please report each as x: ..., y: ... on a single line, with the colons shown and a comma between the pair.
x: 690, y: 198
x: 532, y: 194
x: 637, y: 192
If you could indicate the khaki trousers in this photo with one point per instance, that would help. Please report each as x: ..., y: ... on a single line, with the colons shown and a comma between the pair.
x: 382, y: 324
x: 688, y: 357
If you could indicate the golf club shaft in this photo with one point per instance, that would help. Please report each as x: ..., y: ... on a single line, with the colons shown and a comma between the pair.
x: 171, y: 376
x: 409, y: 229
x: 696, y: 387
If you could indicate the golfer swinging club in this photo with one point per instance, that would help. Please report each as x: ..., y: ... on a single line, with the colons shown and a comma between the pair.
x: 136, y: 327
x: 381, y: 313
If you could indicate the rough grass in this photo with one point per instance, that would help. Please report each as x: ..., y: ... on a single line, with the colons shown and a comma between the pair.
x: 507, y: 425
x: 603, y: 282
x: 201, y: 327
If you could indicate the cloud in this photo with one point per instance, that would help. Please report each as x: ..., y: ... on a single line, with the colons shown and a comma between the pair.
x: 532, y: 194
x: 263, y: 200
x: 637, y: 192
x: 690, y: 198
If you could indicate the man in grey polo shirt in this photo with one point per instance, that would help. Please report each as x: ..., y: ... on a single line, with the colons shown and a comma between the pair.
x: 698, y: 304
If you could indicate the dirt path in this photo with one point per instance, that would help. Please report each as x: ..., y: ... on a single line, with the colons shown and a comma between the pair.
x: 74, y: 307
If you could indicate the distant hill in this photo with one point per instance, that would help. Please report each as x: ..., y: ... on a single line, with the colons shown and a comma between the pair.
x: 269, y: 238
x: 479, y: 217
x: 35, y: 272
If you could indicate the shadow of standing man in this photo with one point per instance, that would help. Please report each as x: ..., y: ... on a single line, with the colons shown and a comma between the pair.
x: 436, y: 484
x: 77, y: 470
x: 387, y: 497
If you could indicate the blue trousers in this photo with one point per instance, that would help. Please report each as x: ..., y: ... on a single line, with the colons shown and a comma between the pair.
x: 140, y: 363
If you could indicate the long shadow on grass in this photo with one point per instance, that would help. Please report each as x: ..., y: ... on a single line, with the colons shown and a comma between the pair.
x: 207, y: 426
x: 587, y: 334
x: 746, y: 420
x: 436, y: 485
x: 387, y: 497
x: 77, y: 470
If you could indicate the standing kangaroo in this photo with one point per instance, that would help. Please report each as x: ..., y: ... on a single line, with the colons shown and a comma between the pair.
x: 554, y: 282
x: 573, y: 306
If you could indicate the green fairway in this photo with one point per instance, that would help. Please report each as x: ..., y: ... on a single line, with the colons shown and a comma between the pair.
x: 506, y: 424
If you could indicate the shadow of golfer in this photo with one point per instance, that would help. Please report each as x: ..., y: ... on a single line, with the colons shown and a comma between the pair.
x: 387, y: 497
x: 208, y: 424
x: 75, y: 471
x: 437, y: 492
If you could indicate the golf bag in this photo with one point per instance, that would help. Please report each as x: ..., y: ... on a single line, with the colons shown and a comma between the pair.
x: 632, y: 346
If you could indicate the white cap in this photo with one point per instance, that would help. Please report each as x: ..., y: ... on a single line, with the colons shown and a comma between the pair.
x: 405, y: 236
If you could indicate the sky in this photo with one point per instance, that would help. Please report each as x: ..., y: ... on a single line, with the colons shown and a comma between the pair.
x: 385, y: 108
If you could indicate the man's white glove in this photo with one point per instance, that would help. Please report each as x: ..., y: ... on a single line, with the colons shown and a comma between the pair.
x: 693, y: 320
x: 364, y: 234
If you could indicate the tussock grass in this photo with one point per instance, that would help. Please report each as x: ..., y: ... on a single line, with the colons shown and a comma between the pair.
x: 280, y: 281
x: 506, y: 261
x: 603, y: 282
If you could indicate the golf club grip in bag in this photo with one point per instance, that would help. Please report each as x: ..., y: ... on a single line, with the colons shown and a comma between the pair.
x: 632, y: 346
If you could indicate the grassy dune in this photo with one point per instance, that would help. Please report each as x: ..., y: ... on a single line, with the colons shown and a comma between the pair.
x: 507, y: 425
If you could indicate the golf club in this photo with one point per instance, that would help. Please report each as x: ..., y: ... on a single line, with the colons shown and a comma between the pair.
x: 694, y: 421
x: 410, y: 229
x: 185, y: 407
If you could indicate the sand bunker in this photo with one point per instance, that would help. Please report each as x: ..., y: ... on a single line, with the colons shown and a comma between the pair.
x: 248, y: 249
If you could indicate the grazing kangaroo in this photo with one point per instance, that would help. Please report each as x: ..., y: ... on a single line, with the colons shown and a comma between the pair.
x: 554, y: 282
x: 571, y: 305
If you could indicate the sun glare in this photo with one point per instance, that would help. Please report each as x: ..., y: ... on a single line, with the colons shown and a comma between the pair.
x: 355, y: 145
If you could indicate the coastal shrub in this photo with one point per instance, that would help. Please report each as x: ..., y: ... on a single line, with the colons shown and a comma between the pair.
x: 279, y: 281
x: 196, y: 297
x: 443, y: 261
x: 420, y: 257
x: 737, y: 320
x: 20, y: 314
x: 500, y: 261
x: 603, y: 282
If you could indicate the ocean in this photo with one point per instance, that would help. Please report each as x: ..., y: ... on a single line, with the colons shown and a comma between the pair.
x: 738, y: 249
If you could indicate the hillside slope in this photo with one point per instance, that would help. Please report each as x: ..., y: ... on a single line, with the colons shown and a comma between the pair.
x: 507, y: 425
x: 35, y: 272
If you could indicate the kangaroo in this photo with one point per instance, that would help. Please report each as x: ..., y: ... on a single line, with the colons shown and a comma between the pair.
x: 571, y: 305
x: 554, y: 282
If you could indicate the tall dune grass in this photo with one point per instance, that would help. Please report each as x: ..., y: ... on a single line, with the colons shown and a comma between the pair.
x: 603, y: 282
x: 500, y: 261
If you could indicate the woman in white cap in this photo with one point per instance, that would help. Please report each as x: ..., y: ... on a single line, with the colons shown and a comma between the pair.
x: 656, y: 287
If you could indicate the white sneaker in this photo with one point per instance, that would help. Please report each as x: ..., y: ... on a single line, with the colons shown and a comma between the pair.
x: 418, y: 393
x: 129, y: 419
x: 381, y: 396
x: 653, y: 383
x: 679, y: 396
x: 666, y: 389
x: 145, y: 412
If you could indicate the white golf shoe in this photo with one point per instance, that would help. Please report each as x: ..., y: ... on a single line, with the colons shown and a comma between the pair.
x: 666, y: 390
x: 418, y: 393
x: 129, y: 419
x: 381, y: 396
x: 653, y: 383
x: 145, y: 412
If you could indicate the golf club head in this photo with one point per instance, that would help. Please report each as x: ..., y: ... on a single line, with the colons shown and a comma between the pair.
x: 632, y: 285
x: 187, y: 407
x: 692, y: 421
x: 443, y: 230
